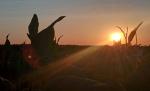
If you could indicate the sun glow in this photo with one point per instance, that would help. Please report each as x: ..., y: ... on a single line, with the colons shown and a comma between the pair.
x: 116, y: 37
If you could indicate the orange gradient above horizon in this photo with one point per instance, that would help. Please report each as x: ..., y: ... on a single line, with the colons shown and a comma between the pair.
x: 87, y: 22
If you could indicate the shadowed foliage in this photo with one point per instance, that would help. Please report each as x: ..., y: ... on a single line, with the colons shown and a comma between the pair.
x: 7, y: 42
x: 43, y: 42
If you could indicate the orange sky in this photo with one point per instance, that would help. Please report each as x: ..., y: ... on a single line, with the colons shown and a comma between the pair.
x: 88, y: 22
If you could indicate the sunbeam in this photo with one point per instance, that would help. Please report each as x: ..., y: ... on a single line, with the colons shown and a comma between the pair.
x: 44, y: 74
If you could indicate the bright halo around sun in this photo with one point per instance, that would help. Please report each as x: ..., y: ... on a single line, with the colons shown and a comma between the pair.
x: 116, y: 37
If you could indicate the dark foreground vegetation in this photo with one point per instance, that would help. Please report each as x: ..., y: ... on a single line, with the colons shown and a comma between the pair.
x: 76, y: 68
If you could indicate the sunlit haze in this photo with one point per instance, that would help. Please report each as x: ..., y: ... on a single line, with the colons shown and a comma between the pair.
x: 116, y: 37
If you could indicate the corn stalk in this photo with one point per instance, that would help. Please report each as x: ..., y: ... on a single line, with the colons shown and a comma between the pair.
x: 125, y: 34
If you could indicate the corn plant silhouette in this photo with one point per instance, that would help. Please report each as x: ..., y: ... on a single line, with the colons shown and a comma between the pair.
x: 7, y: 42
x: 133, y: 33
x: 43, y: 42
x: 57, y: 40
x: 128, y: 39
x: 125, y: 34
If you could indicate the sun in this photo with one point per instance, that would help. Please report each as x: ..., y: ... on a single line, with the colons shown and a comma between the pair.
x: 116, y: 37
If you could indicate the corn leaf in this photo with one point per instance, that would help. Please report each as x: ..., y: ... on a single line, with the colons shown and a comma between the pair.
x: 33, y: 26
x: 133, y: 32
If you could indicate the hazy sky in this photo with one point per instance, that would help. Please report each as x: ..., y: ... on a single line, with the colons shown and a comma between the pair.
x: 87, y: 22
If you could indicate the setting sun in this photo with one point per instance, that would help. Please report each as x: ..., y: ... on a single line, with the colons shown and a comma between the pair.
x: 116, y: 37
